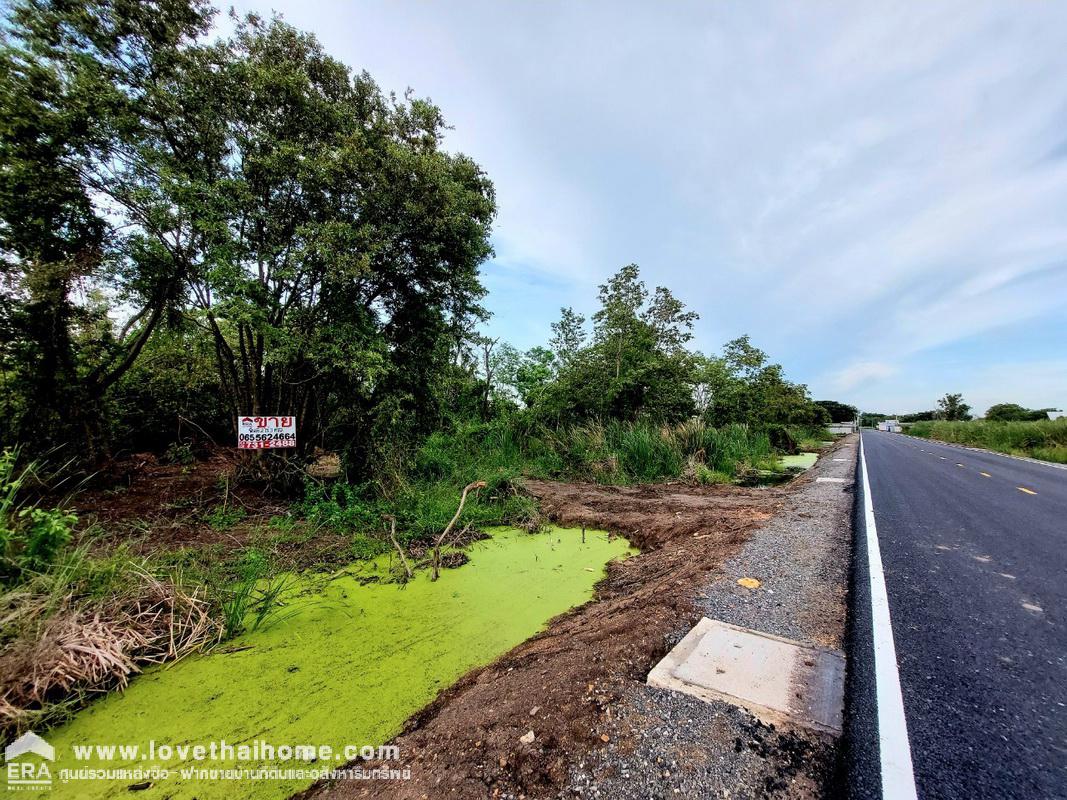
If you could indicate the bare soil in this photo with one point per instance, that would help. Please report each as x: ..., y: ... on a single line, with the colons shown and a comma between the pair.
x: 563, y: 683
x: 155, y: 507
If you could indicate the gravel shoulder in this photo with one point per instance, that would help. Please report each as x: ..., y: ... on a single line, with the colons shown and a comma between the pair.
x: 666, y: 744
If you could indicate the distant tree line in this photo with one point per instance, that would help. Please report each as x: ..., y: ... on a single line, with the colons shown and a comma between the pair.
x: 952, y: 408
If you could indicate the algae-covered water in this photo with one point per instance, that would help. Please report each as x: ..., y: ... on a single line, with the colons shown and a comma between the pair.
x: 346, y: 663
x: 799, y: 461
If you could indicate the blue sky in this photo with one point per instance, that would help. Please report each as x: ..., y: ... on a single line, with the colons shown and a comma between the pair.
x: 875, y: 192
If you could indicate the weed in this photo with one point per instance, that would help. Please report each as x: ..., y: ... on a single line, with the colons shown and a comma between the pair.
x: 710, y: 477
x: 281, y: 524
x: 180, y: 453
x: 363, y: 547
x: 31, y: 538
x: 251, y: 603
x: 222, y: 518
x: 235, y: 607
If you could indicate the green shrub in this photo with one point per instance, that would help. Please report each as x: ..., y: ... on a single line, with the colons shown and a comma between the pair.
x: 711, y: 477
x: 179, y: 453
x: 31, y: 538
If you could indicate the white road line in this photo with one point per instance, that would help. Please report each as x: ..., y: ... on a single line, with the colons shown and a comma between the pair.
x: 988, y: 452
x: 898, y: 777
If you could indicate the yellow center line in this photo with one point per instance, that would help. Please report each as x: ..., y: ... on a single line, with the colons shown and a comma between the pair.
x: 1024, y: 489
x: 985, y: 474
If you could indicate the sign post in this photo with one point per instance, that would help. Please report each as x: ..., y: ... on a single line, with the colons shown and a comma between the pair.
x: 265, y: 433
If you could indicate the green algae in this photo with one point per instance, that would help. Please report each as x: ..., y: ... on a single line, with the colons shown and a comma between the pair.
x: 348, y: 660
x: 800, y: 461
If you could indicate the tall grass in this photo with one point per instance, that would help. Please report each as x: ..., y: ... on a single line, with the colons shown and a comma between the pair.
x: 1044, y: 439
x: 423, y: 496
x: 251, y: 603
x: 607, y: 452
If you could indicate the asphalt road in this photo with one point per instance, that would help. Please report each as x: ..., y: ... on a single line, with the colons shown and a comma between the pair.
x: 974, y: 552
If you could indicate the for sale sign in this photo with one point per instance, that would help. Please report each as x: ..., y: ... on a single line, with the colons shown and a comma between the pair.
x: 265, y: 433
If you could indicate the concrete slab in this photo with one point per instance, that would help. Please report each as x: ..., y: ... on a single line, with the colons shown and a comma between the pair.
x: 829, y: 480
x: 778, y: 680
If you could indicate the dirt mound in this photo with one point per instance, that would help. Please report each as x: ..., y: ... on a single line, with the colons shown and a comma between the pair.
x: 473, y: 741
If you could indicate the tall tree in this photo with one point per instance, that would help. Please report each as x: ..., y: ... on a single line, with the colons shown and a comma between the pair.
x: 839, y: 412
x: 568, y: 336
x: 83, y: 117
x: 744, y: 388
x: 312, y: 226
x: 344, y: 241
x: 952, y: 407
x: 636, y: 364
x: 617, y: 321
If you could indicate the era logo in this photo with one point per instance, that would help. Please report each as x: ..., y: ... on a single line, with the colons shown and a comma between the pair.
x: 27, y: 774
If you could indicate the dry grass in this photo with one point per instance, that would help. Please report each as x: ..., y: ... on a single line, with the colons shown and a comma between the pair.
x: 78, y: 652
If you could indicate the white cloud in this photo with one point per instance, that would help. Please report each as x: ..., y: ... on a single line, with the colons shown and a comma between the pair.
x: 859, y: 373
x: 838, y: 180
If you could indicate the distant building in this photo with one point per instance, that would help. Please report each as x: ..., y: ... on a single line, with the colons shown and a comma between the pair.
x: 1056, y: 414
x: 890, y: 425
x: 841, y: 428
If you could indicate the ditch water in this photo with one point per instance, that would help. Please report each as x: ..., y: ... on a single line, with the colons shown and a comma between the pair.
x: 346, y: 661
x: 801, y: 461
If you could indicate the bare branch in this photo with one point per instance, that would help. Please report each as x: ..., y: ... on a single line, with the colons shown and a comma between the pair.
x: 444, y: 534
x: 396, y: 544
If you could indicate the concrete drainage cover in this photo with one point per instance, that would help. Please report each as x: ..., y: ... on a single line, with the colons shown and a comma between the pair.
x: 778, y: 680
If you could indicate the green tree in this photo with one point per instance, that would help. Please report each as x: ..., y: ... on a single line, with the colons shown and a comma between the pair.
x: 1012, y: 412
x: 952, y: 407
x: 84, y: 124
x: 312, y: 227
x: 868, y: 419
x: 617, y: 324
x: 568, y: 336
x: 839, y: 412
x: 525, y: 375
x: 345, y: 241
x: 918, y: 416
x: 743, y: 387
x: 637, y: 363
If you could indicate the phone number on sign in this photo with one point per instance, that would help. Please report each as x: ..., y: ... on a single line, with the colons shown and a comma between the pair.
x: 265, y: 441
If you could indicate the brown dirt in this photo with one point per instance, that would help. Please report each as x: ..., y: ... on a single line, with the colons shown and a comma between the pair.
x: 157, y: 507
x: 563, y: 683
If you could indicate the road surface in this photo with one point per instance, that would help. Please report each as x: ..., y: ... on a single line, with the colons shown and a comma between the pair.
x: 973, y: 547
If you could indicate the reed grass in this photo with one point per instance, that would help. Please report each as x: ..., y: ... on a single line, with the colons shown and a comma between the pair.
x: 1044, y: 439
